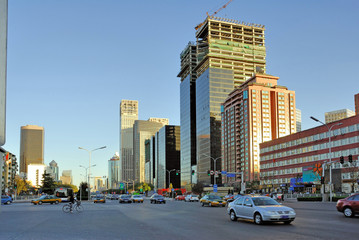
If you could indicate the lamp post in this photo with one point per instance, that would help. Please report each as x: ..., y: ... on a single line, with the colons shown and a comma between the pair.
x: 330, y: 154
x: 215, y: 164
x: 90, y: 152
x: 169, y: 178
x: 86, y: 177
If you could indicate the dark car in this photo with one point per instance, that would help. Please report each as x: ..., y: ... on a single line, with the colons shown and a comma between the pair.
x: 125, y: 199
x: 157, y: 199
x: 349, y: 206
x: 6, y: 199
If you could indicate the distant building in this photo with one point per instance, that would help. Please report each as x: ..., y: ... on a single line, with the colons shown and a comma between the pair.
x: 164, y: 121
x: 66, y: 177
x: 259, y: 110
x: 98, y: 184
x: 114, y: 168
x: 31, y: 146
x: 9, y: 171
x: 298, y: 120
x: 128, y: 116
x: 142, y: 130
x: 338, y: 115
x: 35, y: 174
x: 54, y: 170
x: 356, y: 102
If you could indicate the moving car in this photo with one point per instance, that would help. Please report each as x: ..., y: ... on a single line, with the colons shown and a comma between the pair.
x: 156, y: 198
x: 6, y: 199
x: 180, y: 198
x: 260, y: 209
x: 349, y: 206
x: 192, y: 198
x: 125, y: 199
x: 99, y: 199
x: 137, y: 199
x: 212, y: 201
x: 46, y: 199
x: 234, y: 198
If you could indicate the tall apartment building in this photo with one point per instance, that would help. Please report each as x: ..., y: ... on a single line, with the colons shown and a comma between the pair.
x: 31, y: 146
x: 188, y: 113
x: 228, y: 53
x: 35, y: 174
x: 128, y: 116
x: 142, y: 130
x: 258, y: 111
x: 114, y: 169
x: 338, y: 115
x: 9, y: 170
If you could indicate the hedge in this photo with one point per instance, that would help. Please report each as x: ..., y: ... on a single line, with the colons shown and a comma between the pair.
x: 310, y: 199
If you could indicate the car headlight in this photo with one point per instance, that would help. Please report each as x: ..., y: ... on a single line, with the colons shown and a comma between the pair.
x: 272, y: 212
x: 291, y: 212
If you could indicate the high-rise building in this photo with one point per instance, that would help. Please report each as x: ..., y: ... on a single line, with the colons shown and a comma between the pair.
x: 66, y: 177
x: 128, y: 116
x: 114, y: 169
x: 258, y: 111
x: 188, y: 113
x: 142, y: 130
x: 98, y: 184
x: 356, y: 102
x: 3, y: 64
x: 168, y: 158
x: 31, y: 146
x: 338, y: 115
x: 228, y: 53
x: 35, y: 174
x: 164, y: 121
x: 54, y: 170
x: 298, y: 119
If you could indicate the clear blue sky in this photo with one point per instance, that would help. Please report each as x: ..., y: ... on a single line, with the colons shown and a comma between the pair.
x: 71, y: 62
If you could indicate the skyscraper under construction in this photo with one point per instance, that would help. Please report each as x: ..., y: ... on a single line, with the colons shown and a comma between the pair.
x: 228, y: 52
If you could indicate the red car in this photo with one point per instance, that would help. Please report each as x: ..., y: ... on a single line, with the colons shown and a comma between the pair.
x: 180, y: 198
x: 349, y: 206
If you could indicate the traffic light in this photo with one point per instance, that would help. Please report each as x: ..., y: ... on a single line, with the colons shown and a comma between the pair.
x: 192, y: 172
x: 350, y: 158
x: 15, y: 186
x: 209, y: 172
x: 342, y: 160
x: 178, y: 172
x: 322, y: 180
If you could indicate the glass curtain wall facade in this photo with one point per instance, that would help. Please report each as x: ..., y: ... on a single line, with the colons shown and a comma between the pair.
x: 114, y: 169
x: 128, y: 116
x: 212, y: 88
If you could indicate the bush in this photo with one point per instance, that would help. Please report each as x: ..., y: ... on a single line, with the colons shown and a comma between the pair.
x: 335, y: 199
x: 309, y: 199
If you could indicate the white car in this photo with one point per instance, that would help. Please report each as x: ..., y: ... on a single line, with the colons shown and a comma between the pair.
x: 191, y: 198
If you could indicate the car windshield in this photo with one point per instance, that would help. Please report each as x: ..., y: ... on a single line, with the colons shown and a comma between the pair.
x: 159, y: 196
x: 136, y: 196
x: 125, y: 196
x: 42, y: 197
x: 194, y: 195
x: 264, y: 201
x: 215, y: 198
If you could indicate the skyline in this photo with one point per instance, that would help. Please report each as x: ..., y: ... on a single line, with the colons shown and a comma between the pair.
x: 67, y: 50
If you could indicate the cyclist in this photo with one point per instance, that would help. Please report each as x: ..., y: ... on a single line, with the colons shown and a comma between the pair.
x: 71, y: 200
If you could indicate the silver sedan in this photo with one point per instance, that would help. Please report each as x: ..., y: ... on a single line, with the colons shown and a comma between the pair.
x: 260, y: 209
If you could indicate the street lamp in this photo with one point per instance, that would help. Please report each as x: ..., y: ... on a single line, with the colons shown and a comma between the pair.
x: 169, y: 178
x: 85, y: 178
x: 90, y: 152
x: 330, y: 154
x: 215, y: 164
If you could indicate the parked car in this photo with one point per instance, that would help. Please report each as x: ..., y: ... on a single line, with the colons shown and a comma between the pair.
x: 180, y: 198
x: 46, y: 199
x: 137, y: 199
x: 99, y: 199
x: 191, y: 198
x: 125, y: 199
x: 212, y: 201
x: 260, y: 209
x: 349, y: 206
x: 114, y: 197
x: 6, y: 199
x: 156, y: 198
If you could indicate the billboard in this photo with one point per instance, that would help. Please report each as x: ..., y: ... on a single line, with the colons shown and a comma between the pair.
x: 312, y: 173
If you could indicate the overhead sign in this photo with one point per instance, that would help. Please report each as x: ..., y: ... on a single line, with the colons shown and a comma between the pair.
x: 231, y: 175
x: 3, y: 53
x: 224, y: 172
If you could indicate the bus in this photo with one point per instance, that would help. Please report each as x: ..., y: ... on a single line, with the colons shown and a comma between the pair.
x: 63, y: 193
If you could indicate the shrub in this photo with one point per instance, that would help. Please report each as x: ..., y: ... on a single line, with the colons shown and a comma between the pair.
x: 309, y: 199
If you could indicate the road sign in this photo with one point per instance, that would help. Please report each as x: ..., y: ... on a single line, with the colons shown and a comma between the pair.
x: 231, y: 175
x: 215, y: 189
x: 211, y: 172
x: 173, y: 189
x: 122, y: 186
x: 224, y: 172
x: 216, y: 173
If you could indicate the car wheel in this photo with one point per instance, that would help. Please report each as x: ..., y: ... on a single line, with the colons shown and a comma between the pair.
x: 348, y: 212
x: 40, y: 203
x: 57, y: 202
x: 287, y: 222
x: 51, y: 203
x: 202, y: 204
x: 8, y: 202
x: 233, y: 216
x: 258, y: 219
x: 210, y: 204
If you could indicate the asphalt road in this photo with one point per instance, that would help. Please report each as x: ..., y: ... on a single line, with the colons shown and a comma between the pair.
x: 173, y: 220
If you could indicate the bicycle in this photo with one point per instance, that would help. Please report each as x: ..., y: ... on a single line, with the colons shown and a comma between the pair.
x: 76, y: 206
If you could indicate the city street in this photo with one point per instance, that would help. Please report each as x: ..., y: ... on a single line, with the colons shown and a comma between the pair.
x: 173, y: 220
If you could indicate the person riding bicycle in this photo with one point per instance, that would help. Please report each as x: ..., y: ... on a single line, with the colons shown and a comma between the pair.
x: 71, y: 200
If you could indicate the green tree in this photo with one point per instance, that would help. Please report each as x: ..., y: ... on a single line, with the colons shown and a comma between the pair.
x: 48, y: 184
x: 198, y: 188
x: 83, y: 190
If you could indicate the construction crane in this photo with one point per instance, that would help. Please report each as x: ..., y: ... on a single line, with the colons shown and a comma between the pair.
x: 224, y: 6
